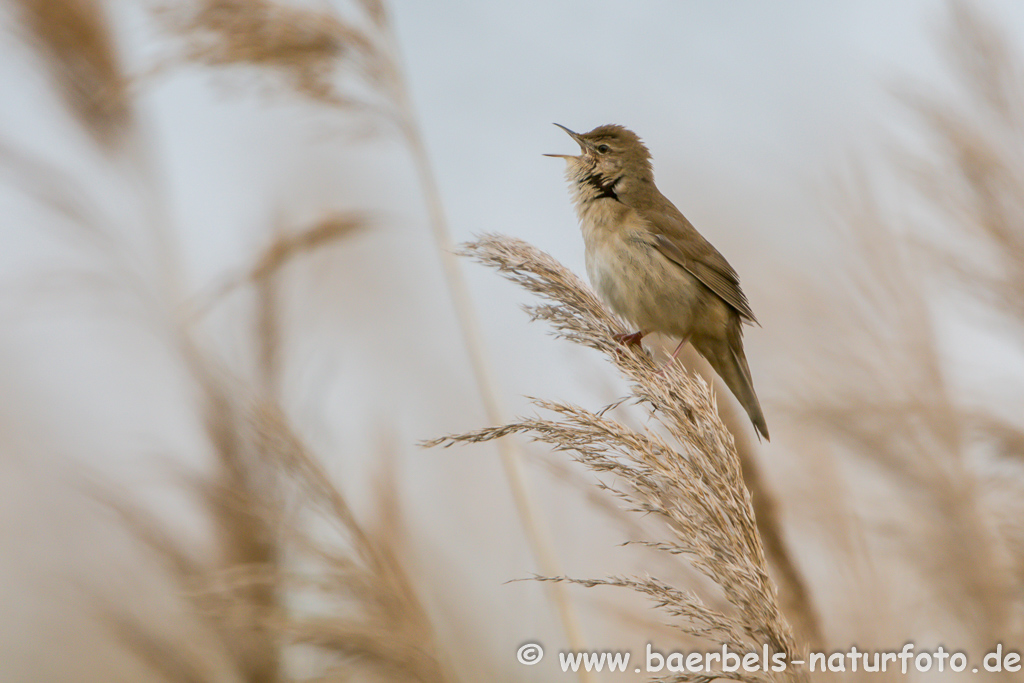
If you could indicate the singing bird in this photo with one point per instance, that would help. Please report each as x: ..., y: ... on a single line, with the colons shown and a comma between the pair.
x: 650, y: 264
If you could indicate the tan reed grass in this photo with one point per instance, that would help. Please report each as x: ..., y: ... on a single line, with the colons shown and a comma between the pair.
x: 794, y: 593
x: 692, y: 480
x: 270, y: 498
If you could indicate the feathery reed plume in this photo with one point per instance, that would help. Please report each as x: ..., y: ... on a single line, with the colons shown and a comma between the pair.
x: 794, y: 594
x: 691, y: 480
x: 75, y: 40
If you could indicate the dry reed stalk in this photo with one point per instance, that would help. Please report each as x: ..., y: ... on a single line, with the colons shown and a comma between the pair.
x: 75, y: 40
x: 693, y: 483
x: 536, y: 531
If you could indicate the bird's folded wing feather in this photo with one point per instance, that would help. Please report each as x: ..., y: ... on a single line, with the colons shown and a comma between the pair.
x: 683, y: 245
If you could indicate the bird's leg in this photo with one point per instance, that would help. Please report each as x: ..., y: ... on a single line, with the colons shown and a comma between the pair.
x: 675, y: 354
x: 630, y: 339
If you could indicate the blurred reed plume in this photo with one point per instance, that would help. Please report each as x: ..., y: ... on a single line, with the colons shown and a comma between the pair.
x: 75, y: 41
x: 975, y: 190
x: 690, y: 478
x: 311, y: 50
x: 896, y: 417
x: 974, y: 185
x: 295, y: 587
x: 300, y: 589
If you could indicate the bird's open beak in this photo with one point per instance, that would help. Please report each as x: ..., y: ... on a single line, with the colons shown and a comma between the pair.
x: 584, y: 145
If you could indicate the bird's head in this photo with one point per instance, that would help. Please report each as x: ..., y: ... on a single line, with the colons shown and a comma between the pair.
x: 610, y: 158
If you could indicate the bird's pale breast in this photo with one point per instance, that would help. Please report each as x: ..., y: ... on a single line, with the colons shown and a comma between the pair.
x: 633, y: 277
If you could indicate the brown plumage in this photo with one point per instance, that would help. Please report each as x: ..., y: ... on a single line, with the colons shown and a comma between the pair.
x: 651, y: 265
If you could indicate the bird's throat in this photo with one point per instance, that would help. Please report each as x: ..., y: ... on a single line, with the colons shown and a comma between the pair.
x: 605, y: 187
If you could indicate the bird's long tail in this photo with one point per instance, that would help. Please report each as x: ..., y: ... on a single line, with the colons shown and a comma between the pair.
x: 728, y: 360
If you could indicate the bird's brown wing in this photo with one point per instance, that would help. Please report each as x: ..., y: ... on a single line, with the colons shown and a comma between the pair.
x: 680, y: 242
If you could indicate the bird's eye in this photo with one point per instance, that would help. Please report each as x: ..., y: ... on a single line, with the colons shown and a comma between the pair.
x: 603, y: 149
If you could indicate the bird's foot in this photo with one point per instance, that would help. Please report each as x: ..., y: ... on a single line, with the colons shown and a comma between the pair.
x: 630, y: 339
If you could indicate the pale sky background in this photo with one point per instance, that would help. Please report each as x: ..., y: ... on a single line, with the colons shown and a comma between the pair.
x: 750, y: 108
